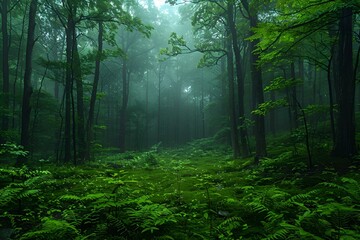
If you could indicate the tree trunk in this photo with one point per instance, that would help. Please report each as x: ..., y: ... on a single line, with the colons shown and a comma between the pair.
x: 5, y: 68
x: 19, y: 63
x: 272, y: 117
x: 90, y: 123
x: 257, y: 88
x: 232, y: 112
x: 124, y: 106
x: 202, y: 108
x: 147, y: 111
x: 240, y: 81
x: 258, y: 98
x: 68, y: 86
x: 80, y: 120
x: 27, y: 91
x: 302, y: 78
x: 331, y: 99
x: 294, y: 100
x: 345, y: 145
x: 159, y: 105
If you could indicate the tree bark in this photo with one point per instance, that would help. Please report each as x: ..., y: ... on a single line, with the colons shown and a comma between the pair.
x: 124, y: 106
x: 80, y: 120
x: 232, y: 112
x: 240, y: 81
x: 159, y: 104
x: 68, y: 84
x: 258, y: 98
x: 5, y: 68
x: 27, y: 91
x: 345, y: 145
x: 90, y: 123
x: 331, y: 100
x: 294, y: 99
x: 257, y: 88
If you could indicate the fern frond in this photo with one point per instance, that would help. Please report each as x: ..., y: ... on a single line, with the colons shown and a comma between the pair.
x: 231, y: 221
x: 9, y: 194
x: 52, y: 230
x: 279, y: 234
x: 299, y: 232
x: 258, y: 207
x: 72, y: 198
x: 29, y: 193
x: 333, y: 185
x: 272, y: 216
x: 93, y: 196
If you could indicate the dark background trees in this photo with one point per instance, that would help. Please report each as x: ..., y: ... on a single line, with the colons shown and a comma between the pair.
x: 128, y: 75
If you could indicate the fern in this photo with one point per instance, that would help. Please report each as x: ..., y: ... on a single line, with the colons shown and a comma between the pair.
x: 52, y: 230
x: 9, y: 194
x: 232, y: 221
x: 279, y: 234
x: 226, y: 229
x: 258, y: 207
x: 71, y: 198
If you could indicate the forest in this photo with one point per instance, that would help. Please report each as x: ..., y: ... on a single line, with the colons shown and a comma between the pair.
x: 180, y: 119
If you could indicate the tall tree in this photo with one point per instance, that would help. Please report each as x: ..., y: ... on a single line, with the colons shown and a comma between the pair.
x: 239, y: 77
x: 27, y: 90
x: 125, y: 76
x: 5, y: 67
x: 90, y: 122
x: 297, y: 26
x: 257, y: 85
x: 232, y: 111
x: 345, y: 144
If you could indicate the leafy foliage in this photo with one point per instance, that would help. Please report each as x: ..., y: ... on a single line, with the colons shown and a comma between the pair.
x: 12, y: 150
x: 200, y: 195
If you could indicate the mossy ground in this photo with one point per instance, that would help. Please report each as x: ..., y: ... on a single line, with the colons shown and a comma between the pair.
x: 193, y: 192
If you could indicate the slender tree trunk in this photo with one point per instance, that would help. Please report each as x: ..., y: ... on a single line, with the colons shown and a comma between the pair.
x: 345, y: 145
x: 73, y: 114
x: 302, y: 78
x: 258, y: 98
x: 272, y: 113
x: 240, y: 81
x: 68, y: 87
x: 177, y: 108
x: 27, y: 91
x: 90, y: 123
x: 80, y: 120
x: 5, y: 67
x: 232, y: 111
x: 331, y: 100
x: 202, y: 108
x: 314, y: 85
x: 294, y: 100
x: 147, y: 111
x: 124, y: 106
x: 257, y: 88
x: 159, y: 106
x: 18, y: 64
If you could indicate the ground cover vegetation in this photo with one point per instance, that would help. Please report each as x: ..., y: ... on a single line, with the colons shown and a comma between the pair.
x: 166, y: 194
x: 200, y: 119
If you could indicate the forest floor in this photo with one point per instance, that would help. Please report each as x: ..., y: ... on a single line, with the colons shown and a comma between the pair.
x: 194, y: 192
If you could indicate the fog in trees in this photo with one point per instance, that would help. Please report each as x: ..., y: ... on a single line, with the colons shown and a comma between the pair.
x: 251, y: 87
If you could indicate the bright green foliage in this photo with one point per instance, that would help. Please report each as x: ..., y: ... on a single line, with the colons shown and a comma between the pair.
x: 53, y: 229
x: 267, y: 106
x: 12, y: 150
x: 196, y: 192
x: 294, y: 26
x: 280, y: 83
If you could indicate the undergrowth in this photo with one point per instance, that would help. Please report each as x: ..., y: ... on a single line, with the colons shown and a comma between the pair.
x: 191, y: 193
